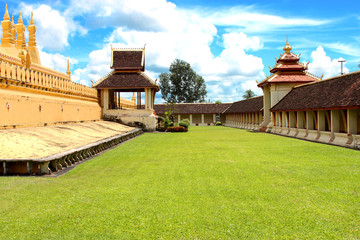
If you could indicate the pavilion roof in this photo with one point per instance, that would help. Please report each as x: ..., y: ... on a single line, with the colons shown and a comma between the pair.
x: 126, y: 80
x: 289, y: 70
x: 340, y: 92
x: 127, y: 59
x: 250, y: 105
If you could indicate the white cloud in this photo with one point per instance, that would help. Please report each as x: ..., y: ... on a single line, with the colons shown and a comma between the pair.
x: 250, y: 20
x: 55, y: 61
x: 132, y: 14
x: 344, y: 49
x: 181, y: 34
x: 98, y: 66
x: 322, y: 64
x: 53, y: 27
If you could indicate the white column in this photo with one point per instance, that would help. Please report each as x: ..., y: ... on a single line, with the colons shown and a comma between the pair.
x: 105, y: 99
x: 321, y: 120
x: 202, y: 118
x: 300, y: 119
x: 335, y: 121
x: 351, y: 121
x: 190, y: 118
x: 214, y: 118
x: 179, y: 118
x: 146, y: 98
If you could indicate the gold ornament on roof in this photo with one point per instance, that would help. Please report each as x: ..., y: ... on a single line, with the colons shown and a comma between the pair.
x: 287, y: 47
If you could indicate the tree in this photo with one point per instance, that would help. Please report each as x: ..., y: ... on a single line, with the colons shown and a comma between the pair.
x: 182, y: 84
x: 218, y: 102
x: 248, y: 94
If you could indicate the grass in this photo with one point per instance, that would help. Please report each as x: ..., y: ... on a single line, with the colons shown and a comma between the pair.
x: 208, y: 183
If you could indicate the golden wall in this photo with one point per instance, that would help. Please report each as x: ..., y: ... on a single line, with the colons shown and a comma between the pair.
x: 41, y: 96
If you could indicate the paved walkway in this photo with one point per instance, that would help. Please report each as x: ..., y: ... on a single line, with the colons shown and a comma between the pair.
x: 40, y: 142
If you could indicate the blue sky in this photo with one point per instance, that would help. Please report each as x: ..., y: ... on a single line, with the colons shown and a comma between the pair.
x: 230, y: 43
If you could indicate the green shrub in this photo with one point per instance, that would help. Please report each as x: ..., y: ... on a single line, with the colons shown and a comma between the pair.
x: 186, y: 120
x: 185, y: 123
x: 218, y: 123
x: 168, y: 123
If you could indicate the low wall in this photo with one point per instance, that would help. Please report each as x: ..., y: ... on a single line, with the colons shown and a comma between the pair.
x: 133, y: 117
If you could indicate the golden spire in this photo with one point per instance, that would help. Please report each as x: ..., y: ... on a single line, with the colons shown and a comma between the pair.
x: 20, y: 29
x: 68, y: 72
x: 32, y: 32
x: 20, y: 20
x: 13, y: 31
x: 6, y: 16
x: 32, y: 19
x: 287, y: 47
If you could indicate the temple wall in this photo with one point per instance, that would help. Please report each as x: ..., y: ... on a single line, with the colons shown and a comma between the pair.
x: 41, y: 96
x: 20, y: 109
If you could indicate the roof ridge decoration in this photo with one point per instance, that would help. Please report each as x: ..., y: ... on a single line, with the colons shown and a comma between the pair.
x: 103, y: 78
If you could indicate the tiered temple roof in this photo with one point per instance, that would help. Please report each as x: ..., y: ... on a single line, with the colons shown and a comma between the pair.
x: 289, y: 70
x: 335, y: 93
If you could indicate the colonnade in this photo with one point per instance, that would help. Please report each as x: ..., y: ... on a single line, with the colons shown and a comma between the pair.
x: 339, y: 127
x: 244, y: 120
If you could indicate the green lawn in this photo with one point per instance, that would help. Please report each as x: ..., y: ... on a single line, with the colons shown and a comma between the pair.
x: 208, y: 183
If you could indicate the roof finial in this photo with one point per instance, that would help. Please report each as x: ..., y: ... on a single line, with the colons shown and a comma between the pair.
x: 287, y: 47
x: 6, y: 16
x: 32, y: 19
x: 20, y: 20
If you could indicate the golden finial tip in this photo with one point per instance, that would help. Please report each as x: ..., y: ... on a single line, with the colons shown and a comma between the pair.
x: 287, y: 47
x: 32, y: 19
x: 6, y: 16
x: 20, y: 20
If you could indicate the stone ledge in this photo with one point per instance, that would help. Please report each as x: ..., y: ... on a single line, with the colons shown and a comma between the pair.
x: 62, y: 160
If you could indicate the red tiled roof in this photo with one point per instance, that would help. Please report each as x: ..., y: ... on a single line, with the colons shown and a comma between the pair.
x: 289, y: 57
x: 125, y: 80
x: 250, y: 105
x: 128, y: 59
x: 288, y: 67
x: 289, y: 78
x: 193, y: 108
x: 334, y: 93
